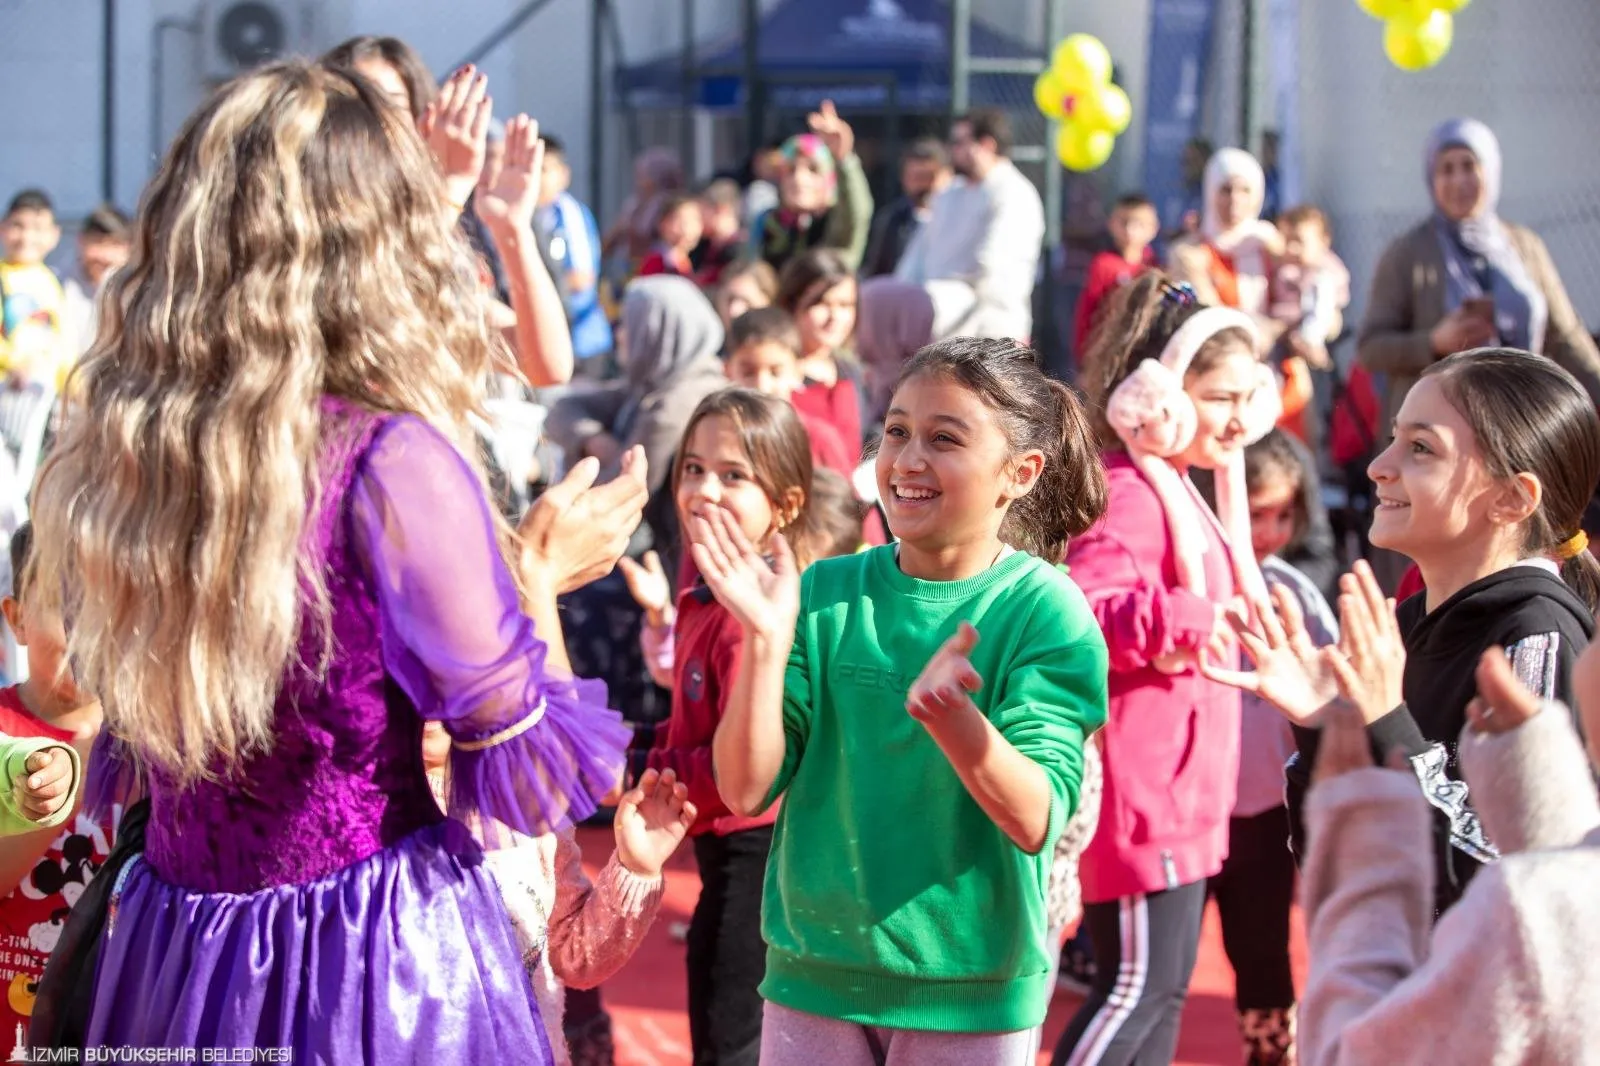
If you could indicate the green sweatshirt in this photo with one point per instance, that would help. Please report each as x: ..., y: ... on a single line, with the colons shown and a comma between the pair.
x: 891, y: 898
x: 14, y: 752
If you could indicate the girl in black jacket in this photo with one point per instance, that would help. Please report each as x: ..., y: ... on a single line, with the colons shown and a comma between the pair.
x: 1495, y: 456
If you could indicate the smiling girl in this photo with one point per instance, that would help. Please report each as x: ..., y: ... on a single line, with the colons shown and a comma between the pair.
x: 819, y: 290
x: 1496, y: 452
x: 744, y: 457
x: 905, y: 899
x: 1181, y: 387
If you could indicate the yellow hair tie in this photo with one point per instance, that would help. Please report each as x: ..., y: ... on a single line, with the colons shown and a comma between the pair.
x: 1572, y: 547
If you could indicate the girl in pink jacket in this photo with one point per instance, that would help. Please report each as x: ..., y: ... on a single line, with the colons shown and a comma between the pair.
x: 1180, y: 385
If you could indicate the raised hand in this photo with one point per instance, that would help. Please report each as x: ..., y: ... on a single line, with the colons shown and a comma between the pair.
x: 46, y: 784
x: 1289, y: 673
x: 648, y: 584
x: 1371, y: 658
x: 944, y: 688
x: 764, y: 597
x: 834, y: 131
x: 652, y: 819
x: 456, y: 127
x: 514, y: 197
x: 1503, y: 703
x: 576, y: 532
x: 1344, y: 745
x: 1459, y: 331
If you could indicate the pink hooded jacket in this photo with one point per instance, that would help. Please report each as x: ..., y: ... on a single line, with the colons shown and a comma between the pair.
x: 1171, y: 743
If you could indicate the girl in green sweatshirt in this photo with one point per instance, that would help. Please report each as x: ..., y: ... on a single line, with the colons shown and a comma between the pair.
x: 923, y: 707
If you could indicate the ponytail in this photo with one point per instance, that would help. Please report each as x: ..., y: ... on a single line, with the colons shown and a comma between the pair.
x: 1070, y: 495
x: 1582, y: 575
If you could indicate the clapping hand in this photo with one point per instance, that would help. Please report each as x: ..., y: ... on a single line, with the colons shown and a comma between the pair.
x: 652, y: 819
x: 1344, y: 745
x: 576, y: 532
x: 46, y: 784
x: 1371, y: 658
x: 763, y: 596
x: 1503, y: 703
x: 1291, y: 673
x: 456, y: 127
x: 510, y: 203
x: 834, y: 131
x: 648, y: 584
x: 944, y: 688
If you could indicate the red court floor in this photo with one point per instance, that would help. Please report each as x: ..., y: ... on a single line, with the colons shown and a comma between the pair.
x: 646, y: 999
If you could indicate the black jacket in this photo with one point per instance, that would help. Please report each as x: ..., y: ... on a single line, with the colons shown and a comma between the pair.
x: 891, y: 233
x: 1526, y: 610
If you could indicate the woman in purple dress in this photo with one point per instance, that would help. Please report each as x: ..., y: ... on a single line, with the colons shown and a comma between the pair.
x: 269, y: 529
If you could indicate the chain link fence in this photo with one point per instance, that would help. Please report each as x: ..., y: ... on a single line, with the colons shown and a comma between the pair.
x: 1527, y: 70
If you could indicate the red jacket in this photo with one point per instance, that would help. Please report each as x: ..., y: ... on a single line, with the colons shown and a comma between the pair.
x: 828, y: 449
x: 1410, y: 584
x: 838, y: 404
x: 1107, y: 272
x: 663, y: 260
x: 1171, y: 742
x: 708, y: 645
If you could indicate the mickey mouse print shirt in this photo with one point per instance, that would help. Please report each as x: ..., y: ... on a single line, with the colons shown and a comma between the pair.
x: 34, y: 912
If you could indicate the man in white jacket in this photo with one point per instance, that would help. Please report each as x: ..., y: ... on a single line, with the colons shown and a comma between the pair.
x: 979, y: 251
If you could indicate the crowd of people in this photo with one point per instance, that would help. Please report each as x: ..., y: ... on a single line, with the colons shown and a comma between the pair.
x: 959, y: 679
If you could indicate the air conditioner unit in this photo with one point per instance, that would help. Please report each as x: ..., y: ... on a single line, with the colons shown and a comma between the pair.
x: 236, y: 35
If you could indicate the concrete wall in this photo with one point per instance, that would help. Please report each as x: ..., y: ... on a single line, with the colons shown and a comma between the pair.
x: 1526, y: 69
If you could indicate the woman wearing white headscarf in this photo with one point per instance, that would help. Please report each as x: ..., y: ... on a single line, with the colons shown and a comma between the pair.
x: 1229, y: 262
x: 1464, y: 278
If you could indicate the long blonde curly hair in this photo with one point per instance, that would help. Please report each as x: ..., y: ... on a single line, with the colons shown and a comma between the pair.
x: 294, y: 245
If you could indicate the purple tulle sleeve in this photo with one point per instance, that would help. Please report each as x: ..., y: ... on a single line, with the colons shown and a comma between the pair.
x: 532, y: 750
x: 112, y: 778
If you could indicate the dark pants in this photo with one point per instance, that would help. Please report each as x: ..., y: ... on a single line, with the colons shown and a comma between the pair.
x: 1255, y: 892
x: 727, y: 958
x: 1144, y: 952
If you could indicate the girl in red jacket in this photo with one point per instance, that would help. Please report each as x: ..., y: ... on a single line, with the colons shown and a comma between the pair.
x: 1180, y: 385
x: 749, y: 455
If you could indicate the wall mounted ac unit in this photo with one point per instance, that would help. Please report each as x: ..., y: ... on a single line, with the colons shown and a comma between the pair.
x: 236, y: 35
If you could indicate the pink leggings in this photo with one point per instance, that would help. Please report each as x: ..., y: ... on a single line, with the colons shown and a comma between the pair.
x: 791, y: 1038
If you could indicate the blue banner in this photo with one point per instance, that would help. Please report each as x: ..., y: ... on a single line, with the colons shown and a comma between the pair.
x: 1283, y: 35
x: 1180, y: 48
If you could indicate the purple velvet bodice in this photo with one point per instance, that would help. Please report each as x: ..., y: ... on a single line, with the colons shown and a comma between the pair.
x: 426, y: 624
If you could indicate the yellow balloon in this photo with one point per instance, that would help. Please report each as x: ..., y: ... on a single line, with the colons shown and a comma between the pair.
x: 1106, y: 108
x: 1048, y: 93
x: 1418, y: 45
x: 1384, y: 10
x: 1082, y: 59
x: 1081, y: 149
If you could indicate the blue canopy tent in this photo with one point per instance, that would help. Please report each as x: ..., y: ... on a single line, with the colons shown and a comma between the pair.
x: 862, y: 54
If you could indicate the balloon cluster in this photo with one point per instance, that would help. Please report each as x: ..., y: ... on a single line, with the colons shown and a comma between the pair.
x: 1416, y: 33
x: 1077, y: 90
